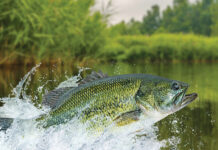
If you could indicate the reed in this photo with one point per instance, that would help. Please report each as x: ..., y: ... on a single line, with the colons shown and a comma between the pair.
x: 49, y: 29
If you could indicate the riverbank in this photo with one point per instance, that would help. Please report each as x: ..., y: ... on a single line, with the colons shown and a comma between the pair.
x: 162, y: 48
x: 135, y: 48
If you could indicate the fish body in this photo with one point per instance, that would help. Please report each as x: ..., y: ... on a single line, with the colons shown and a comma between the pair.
x: 100, y: 101
x: 121, y: 99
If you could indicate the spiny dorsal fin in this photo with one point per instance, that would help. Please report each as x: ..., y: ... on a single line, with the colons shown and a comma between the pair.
x: 52, y: 98
x: 93, y: 76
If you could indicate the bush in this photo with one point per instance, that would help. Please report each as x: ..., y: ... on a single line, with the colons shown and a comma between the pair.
x: 163, y: 47
x: 51, y: 28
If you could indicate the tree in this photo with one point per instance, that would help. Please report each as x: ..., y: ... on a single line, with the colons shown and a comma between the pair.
x: 185, y: 17
x: 119, y: 28
x: 177, y: 19
x: 201, y: 17
x: 180, y: 2
x: 151, y: 22
x: 133, y: 27
x: 130, y: 28
x: 214, y: 26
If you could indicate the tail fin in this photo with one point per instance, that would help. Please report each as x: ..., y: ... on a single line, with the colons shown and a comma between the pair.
x: 5, y: 123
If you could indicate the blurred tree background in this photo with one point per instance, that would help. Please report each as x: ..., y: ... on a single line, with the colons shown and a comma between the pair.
x: 183, y: 17
x: 66, y: 31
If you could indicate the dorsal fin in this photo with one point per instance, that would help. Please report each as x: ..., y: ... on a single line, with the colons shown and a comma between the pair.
x: 93, y: 76
x: 52, y: 98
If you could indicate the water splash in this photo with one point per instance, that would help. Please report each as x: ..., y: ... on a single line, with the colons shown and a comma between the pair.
x: 20, y: 105
x: 20, y: 88
x: 72, y: 81
x: 25, y: 135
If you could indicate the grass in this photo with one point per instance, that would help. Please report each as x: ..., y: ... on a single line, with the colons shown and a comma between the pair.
x: 161, y: 47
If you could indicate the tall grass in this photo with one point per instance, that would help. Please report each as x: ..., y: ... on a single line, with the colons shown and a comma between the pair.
x: 161, y: 47
x: 49, y: 29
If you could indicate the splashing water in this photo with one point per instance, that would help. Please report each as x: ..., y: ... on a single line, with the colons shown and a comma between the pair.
x: 72, y: 81
x: 25, y: 135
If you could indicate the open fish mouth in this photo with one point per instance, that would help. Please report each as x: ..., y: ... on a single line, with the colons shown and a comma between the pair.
x: 188, y: 98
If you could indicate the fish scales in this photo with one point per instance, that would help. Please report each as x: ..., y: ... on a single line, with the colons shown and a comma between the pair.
x: 121, y: 99
x: 105, y: 98
x: 117, y: 100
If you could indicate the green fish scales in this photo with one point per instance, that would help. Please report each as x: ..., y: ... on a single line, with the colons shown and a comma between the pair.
x: 99, y: 101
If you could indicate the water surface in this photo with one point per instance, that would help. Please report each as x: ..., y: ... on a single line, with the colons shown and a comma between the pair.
x: 195, y: 127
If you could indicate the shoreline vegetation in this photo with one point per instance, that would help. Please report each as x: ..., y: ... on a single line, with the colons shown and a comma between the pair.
x: 171, y: 48
x: 68, y: 32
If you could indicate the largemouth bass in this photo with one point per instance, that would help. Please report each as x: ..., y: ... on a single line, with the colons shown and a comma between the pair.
x: 102, y: 100
x: 121, y: 99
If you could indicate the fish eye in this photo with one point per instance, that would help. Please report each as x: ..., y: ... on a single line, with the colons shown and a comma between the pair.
x: 175, y: 86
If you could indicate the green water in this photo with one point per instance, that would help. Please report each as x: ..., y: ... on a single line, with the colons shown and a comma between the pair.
x: 194, y: 127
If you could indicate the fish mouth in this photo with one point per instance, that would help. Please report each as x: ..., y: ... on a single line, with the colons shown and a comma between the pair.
x: 187, y: 99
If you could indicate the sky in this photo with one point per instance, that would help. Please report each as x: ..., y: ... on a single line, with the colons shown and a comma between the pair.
x: 127, y: 9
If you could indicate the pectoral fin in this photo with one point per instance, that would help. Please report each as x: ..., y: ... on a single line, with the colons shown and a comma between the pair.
x: 127, y: 118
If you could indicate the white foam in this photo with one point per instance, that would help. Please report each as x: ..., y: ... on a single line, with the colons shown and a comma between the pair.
x: 26, y: 135
x: 17, y: 108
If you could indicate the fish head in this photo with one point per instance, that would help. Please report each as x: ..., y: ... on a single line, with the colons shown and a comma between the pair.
x: 163, y: 95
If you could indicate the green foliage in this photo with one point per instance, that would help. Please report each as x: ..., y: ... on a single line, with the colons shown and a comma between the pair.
x: 188, y: 18
x: 161, y: 47
x: 177, y: 19
x: 65, y: 30
x: 214, y: 26
x: 151, y: 22
x: 122, y: 28
x: 182, y: 17
x: 119, y: 29
x: 51, y: 28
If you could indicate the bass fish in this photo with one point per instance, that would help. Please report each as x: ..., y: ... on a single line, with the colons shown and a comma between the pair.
x: 102, y: 100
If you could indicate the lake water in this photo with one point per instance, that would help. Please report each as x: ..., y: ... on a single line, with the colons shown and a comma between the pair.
x: 194, y: 127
